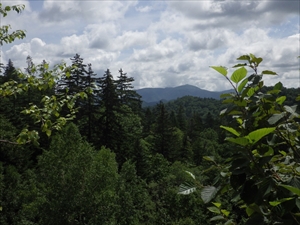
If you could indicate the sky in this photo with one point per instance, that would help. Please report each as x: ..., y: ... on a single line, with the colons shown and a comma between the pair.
x: 161, y: 43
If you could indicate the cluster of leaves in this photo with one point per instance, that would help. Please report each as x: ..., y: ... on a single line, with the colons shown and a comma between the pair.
x: 5, y: 36
x: 48, y: 112
x: 262, y: 178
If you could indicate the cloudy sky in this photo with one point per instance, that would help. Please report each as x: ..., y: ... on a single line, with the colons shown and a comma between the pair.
x: 161, y: 43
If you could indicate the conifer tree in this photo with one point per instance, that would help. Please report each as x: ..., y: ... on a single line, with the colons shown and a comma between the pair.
x: 162, y: 131
x: 126, y: 94
x: 109, y: 106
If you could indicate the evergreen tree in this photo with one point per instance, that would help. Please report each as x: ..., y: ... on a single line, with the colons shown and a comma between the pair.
x: 75, y: 81
x: 126, y: 94
x: 10, y: 73
x: 162, y: 131
x: 109, y: 107
x: 181, y: 118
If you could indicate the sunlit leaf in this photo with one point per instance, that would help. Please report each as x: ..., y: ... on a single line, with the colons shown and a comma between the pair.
x: 275, y: 203
x: 222, y: 70
x: 208, y: 193
x: 275, y: 118
x: 186, y: 188
x: 242, y: 85
x: 192, y: 175
x: 231, y: 130
x: 291, y: 189
x: 238, y: 75
x: 280, y: 100
x: 256, y: 135
x: 268, y: 72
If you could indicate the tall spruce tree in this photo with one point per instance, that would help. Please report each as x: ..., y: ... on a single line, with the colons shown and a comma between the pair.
x: 126, y: 94
x: 109, y: 106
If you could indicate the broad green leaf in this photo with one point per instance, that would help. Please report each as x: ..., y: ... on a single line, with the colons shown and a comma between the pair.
x: 192, y: 175
x: 217, y: 204
x: 251, y: 91
x: 258, y: 61
x: 280, y: 100
x: 242, y: 85
x: 240, y: 140
x: 275, y: 203
x: 256, y: 135
x: 238, y: 75
x: 214, y: 209
x: 209, y: 158
x: 244, y: 57
x: 275, y: 118
x: 291, y: 189
x: 268, y: 72
x: 278, y: 86
x: 222, y: 70
x: 225, y: 212
x: 215, y: 218
x: 291, y: 110
x: 231, y: 130
x: 208, y: 193
x: 186, y: 188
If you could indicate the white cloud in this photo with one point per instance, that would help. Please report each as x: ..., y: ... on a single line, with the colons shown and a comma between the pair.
x: 143, y: 9
x: 163, y: 43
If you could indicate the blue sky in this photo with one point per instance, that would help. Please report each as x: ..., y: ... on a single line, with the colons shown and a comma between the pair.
x: 161, y: 43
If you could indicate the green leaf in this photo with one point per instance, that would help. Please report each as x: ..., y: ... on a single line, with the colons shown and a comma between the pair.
x: 275, y: 118
x: 291, y: 110
x: 192, y: 175
x: 186, y: 188
x: 223, y: 111
x: 231, y: 130
x: 244, y: 57
x: 225, y: 212
x: 280, y: 100
x: 230, y: 222
x: 275, y: 203
x: 208, y: 193
x: 209, y: 158
x: 214, y: 209
x: 240, y: 65
x: 217, y: 204
x: 240, y: 141
x: 215, y: 218
x: 268, y: 72
x: 291, y: 189
x: 238, y: 75
x: 242, y: 85
x: 256, y: 135
x: 222, y: 70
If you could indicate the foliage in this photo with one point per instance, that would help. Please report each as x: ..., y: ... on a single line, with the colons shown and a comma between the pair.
x: 263, y: 175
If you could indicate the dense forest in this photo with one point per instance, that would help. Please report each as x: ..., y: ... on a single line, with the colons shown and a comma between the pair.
x: 80, y: 149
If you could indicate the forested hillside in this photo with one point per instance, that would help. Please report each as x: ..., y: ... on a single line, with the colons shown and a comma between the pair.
x: 78, y: 148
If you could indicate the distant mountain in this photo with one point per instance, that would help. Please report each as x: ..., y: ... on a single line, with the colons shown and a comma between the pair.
x: 154, y: 95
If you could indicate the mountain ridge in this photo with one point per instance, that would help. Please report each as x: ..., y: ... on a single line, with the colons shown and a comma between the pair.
x: 153, y: 95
